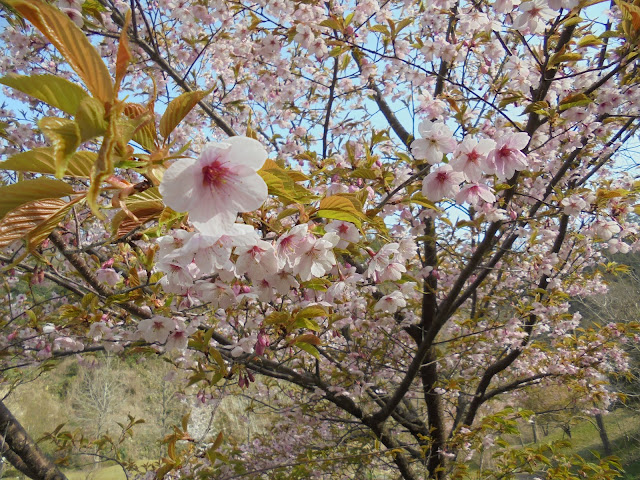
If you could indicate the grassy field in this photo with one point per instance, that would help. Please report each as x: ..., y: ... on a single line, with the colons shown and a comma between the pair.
x: 623, y: 430
x: 106, y: 473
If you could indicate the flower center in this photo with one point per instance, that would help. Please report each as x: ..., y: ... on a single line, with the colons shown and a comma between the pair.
x: 214, y: 175
x: 473, y: 156
x: 505, y: 152
x: 157, y: 326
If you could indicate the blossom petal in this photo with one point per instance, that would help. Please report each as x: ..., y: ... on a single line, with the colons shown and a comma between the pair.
x: 246, y: 151
x: 217, y: 225
x: 177, y: 187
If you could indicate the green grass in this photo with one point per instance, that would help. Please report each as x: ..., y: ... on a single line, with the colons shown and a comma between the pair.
x: 623, y: 429
x: 632, y: 471
x: 113, y: 472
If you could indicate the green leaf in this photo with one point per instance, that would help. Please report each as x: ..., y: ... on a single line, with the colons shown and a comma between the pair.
x: 16, y: 194
x: 309, y: 338
x: 338, y: 207
x: 540, y: 108
x: 332, y: 23
x: 306, y: 323
x: 317, y: 284
x: 179, y: 108
x: 51, y: 89
x: 575, y: 20
x: 218, y: 442
x: 41, y: 160
x: 312, y: 312
x: 630, y: 18
x: 364, y: 173
x: 576, y: 100
x: 380, y: 28
x: 64, y: 134
x: 91, y: 119
x: 509, y: 100
x: 149, y: 198
x: 146, y: 134
x: 560, y: 57
x: 589, y: 41
x: 278, y: 184
x: 71, y: 42
x: 277, y: 318
x: 310, y: 349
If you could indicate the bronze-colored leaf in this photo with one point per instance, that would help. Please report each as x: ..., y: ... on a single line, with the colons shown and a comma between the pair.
x: 179, y: 108
x: 71, y: 42
x: 16, y: 194
x: 23, y: 221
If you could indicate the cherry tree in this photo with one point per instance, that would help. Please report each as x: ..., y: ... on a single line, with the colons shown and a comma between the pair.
x: 371, y: 216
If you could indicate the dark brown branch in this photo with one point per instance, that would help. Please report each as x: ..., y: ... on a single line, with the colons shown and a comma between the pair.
x: 54, y: 278
x: 83, y: 269
x: 505, y: 362
x: 405, y: 137
x: 24, y: 447
x: 327, y: 118
x: 15, y: 460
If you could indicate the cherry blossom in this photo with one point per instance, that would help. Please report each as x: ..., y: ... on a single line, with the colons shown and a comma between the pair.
x: 574, y: 205
x: 155, y: 329
x: 108, y: 276
x: 320, y: 319
x: 470, y: 155
x: 347, y: 232
x: 437, y: 139
x: 442, y: 182
x: 179, y: 336
x: 391, y: 303
x: 472, y: 193
x: 507, y: 158
x: 219, y: 184
x: 317, y: 258
x: 534, y: 14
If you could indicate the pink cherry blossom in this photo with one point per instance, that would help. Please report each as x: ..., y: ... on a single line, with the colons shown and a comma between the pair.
x: 290, y: 243
x: 442, y: 182
x: 574, y: 205
x: 507, y: 158
x: 347, y: 232
x: 474, y: 192
x: 470, y: 155
x: 317, y: 258
x: 391, y: 303
x: 179, y: 336
x: 257, y: 261
x: 219, y: 184
x: 108, y: 276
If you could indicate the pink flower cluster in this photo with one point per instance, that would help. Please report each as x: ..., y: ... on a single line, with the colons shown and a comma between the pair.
x: 472, y: 161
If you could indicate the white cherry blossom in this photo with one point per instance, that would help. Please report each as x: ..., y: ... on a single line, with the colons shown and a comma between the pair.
x: 155, y: 329
x: 436, y: 140
x: 219, y: 184
x: 391, y: 303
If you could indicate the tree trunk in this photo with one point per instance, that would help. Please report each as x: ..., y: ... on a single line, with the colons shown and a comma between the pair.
x: 33, y: 460
x: 534, y: 430
x: 603, y: 435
